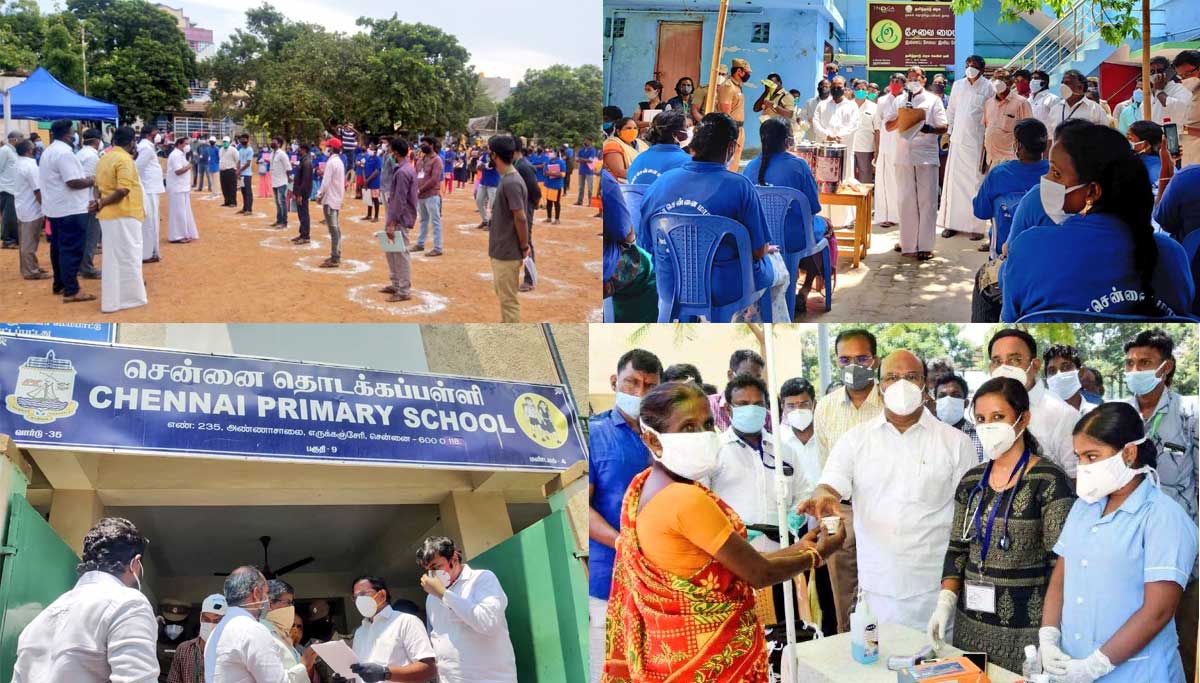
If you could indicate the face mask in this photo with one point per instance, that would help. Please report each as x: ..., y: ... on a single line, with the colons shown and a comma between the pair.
x: 857, y: 377
x: 649, y: 94
x: 1137, y: 96
x: 137, y: 577
x: 283, y: 618
x: 1064, y: 384
x: 206, y: 630
x: 996, y: 438
x: 1000, y: 86
x: 158, y: 138
x: 687, y: 138
x: 1136, y: 145
x: 1099, y: 479
x: 443, y: 576
x: 187, y: 149
x: 823, y: 93
x: 972, y: 72
x: 860, y: 94
x: 914, y: 87
x: 685, y: 90
x: 1065, y: 92
x: 629, y: 404
x: 749, y: 419
x: 426, y: 149
x: 1142, y: 382
x: 628, y: 136
x: 1053, y: 196
x: 1012, y: 372
x: 551, y: 155
x: 366, y: 606
x: 691, y: 455
x: 607, y: 126
x: 1036, y: 85
x: 800, y: 419
x: 173, y: 631
x: 872, y: 96
x: 950, y: 409
x: 837, y: 92
x: 903, y: 397
x: 721, y: 78
x: 1022, y: 88
x: 895, y: 88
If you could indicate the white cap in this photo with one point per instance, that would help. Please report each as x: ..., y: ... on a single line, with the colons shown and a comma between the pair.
x: 225, y: 139
x: 215, y: 603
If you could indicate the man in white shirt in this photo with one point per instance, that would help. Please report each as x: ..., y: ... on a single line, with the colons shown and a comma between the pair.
x: 804, y: 115
x: 227, y: 167
x: 8, y: 214
x: 66, y: 190
x: 1013, y: 353
x: 281, y: 165
x: 151, y: 175
x: 27, y: 201
x: 964, y: 116
x: 866, y: 135
x: 1061, y: 365
x: 282, y: 615
x: 389, y: 645
x: 1043, y: 102
x: 887, y: 195
x: 901, y: 468
x: 465, y: 610
x: 834, y: 121
x: 241, y: 649
x: 181, y: 223
x: 101, y: 631
x: 1187, y: 65
x: 917, y: 165
x: 330, y: 196
x: 1075, y: 103
x: 797, y: 401
x: 1168, y: 98
x: 89, y: 156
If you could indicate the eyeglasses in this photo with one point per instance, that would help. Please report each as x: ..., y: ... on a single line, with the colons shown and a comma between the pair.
x: 856, y: 360
x: 1015, y: 359
x: 914, y: 377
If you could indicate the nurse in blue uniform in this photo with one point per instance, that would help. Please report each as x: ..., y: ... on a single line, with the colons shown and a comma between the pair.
x: 670, y: 132
x: 1018, y: 175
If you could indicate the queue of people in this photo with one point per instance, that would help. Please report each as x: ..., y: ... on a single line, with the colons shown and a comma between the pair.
x: 1030, y: 512
x: 105, y: 629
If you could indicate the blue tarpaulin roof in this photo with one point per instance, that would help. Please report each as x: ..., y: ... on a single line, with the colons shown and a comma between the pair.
x: 44, y: 98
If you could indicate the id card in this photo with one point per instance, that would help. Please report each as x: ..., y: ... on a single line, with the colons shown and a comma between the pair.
x: 421, y: 175
x: 981, y: 597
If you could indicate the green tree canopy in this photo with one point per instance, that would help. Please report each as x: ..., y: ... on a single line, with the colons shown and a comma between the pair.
x: 556, y: 104
x: 63, y: 56
x: 1118, y: 19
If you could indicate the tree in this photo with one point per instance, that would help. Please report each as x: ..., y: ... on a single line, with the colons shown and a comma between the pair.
x: 556, y: 104
x: 1118, y: 20
x: 22, y: 28
x: 62, y: 56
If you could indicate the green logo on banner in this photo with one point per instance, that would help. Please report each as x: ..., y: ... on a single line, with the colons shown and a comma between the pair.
x: 886, y: 34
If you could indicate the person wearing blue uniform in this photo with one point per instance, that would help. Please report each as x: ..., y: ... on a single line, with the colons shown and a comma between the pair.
x: 372, y: 169
x: 705, y: 186
x: 555, y: 169
x: 538, y: 160
x: 1102, y: 256
x: 586, y: 157
x: 1029, y: 212
x: 485, y: 194
x: 669, y: 132
x: 1017, y: 175
x: 1178, y: 210
x: 1125, y: 554
x: 628, y: 269
x: 1145, y: 138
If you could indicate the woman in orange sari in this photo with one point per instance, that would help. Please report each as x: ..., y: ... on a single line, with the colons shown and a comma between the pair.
x: 682, y: 602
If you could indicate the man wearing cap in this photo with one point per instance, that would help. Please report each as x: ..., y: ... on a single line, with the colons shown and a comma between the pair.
x: 173, y: 614
x: 227, y: 172
x: 731, y: 101
x: 188, y: 665
x: 8, y: 179
x: 330, y: 196
x: 89, y: 157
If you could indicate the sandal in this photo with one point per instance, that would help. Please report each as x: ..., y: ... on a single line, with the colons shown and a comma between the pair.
x: 924, y: 255
x: 897, y: 248
x: 78, y: 296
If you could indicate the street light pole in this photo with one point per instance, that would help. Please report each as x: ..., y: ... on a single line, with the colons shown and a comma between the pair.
x: 83, y: 47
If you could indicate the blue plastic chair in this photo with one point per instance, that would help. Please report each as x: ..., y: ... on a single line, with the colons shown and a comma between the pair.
x: 1064, y: 316
x: 776, y: 202
x: 607, y: 312
x: 689, y: 243
x: 1191, y: 246
x: 1173, y: 280
x: 1003, y: 209
x: 633, y: 195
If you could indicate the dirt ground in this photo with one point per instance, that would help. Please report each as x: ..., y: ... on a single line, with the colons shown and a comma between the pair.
x: 240, y: 270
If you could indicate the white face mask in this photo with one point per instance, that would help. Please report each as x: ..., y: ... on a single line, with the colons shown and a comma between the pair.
x: 972, y: 72
x: 1036, y: 85
x: 1013, y: 372
x: 1064, y: 384
x: 996, y: 438
x: 903, y: 397
x: 1099, y: 479
x: 1053, y: 196
x: 1192, y: 83
x: 629, y: 404
x: 366, y: 606
x: 687, y: 139
x: 173, y: 631
x: 443, y: 576
x: 187, y: 149
x: 206, y: 630
x: 1065, y: 91
x: 691, y: 455
x: 914, y: 87
x: 950, y: 409
x: 1000, y: 86
x: 800, y: 418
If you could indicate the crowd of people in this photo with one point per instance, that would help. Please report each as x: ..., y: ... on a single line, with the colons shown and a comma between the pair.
x: 1033, y: 512
x: 987, y: 156
x: 105, y: 629
x: 100, y: 194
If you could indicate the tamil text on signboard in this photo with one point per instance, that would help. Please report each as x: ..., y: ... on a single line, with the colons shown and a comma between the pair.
x: 904, y: 34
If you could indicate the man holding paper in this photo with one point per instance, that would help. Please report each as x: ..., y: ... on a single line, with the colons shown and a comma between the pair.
x: 389, y: 645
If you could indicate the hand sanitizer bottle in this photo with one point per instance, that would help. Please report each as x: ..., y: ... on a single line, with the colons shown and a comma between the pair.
x: 864, y: 633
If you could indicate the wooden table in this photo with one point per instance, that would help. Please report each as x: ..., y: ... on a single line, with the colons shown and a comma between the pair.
x: 856, y: 240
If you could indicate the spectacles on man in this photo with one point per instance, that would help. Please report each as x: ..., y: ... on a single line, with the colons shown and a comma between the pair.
x: 843, y: 361
x: 1014, y: 359
x: 914, y: 377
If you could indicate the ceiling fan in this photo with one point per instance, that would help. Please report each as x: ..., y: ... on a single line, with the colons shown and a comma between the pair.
x: 266, y: 566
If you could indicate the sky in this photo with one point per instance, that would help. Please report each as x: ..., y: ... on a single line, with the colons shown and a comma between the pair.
x: 504, y: 38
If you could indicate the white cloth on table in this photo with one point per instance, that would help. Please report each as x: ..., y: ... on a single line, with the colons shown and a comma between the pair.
x: 469, y: 630
x: 965, y: 118
x: 149, y: 225
x: 121, y: 282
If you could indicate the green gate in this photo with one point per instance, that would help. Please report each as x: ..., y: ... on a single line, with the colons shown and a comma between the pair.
x: 36, y: 567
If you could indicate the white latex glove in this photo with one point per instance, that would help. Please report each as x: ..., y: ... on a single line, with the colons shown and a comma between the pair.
x: 942, y: 614
x: 1054, y: 660
x: 1086, y: 670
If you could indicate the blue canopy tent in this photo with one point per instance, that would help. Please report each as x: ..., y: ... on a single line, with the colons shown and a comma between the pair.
x: 42, y: 97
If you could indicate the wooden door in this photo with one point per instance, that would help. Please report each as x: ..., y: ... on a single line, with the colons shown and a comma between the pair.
x: 679, y: 44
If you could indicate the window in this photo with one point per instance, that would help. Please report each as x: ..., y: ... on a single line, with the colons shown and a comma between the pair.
x: 761, y: 34
x: 614, y: 27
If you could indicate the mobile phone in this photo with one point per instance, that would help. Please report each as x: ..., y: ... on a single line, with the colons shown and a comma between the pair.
x: 1171, y: 132
x: 979, y: 659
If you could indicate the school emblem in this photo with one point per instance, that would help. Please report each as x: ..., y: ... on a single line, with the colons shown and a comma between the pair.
x: 44, y: 389
x: 541, y: 420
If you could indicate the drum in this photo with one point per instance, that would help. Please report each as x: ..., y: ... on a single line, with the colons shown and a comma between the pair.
x: 831, y: 159
x: 808, y: 152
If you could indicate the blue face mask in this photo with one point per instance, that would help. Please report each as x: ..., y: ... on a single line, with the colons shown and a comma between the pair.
x: 860, y: 94
x: 1137, y: 96
x: 1142, y: 382
x: 749, y: 419
x: 629, y: 404
x: 608, y: 126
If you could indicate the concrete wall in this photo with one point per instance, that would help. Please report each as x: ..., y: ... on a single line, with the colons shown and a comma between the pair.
x: 1173, y: 20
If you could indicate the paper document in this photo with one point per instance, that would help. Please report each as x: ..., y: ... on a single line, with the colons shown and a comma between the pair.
x: 531, y: 269
x: 338, y: 655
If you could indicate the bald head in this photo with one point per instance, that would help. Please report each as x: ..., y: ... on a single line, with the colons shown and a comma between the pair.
x: 901, y: 363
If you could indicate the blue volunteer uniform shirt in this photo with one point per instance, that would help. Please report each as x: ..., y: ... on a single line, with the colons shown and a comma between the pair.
x: 588, y: 155
x: 1029, y: 214
x: 490, y: 176
x: 372, y: 164
x: 617, y: 222
x: 788, y: 170
x: 617, y: 456
x: 1153, y: 167
x: 556, y: 183
x: 707, y: 188
x: 245, y: 156
x: 649, y: 165
x: 1108, y: 561
x: 538, y: 161
x: 1178, y: 212
x: 214, y: 159
x: 1006, y: 177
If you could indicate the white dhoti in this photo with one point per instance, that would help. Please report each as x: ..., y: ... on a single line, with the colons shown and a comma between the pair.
x: 887, y: 201
x: 181, y: 224
x: 962, y: 182
x: 121, y: 284
x: 149, y: 225
x: 913, y: 611
x: 917, y: 187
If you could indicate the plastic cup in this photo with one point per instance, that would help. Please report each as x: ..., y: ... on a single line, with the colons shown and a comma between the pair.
x: 831, y: 523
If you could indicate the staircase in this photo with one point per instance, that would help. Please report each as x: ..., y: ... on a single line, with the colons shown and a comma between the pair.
x: 1071, y: 41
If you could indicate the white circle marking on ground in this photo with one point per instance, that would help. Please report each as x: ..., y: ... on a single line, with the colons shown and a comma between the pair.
x: 284, y: 243
x: 348, y: 267
x: 422, y: 303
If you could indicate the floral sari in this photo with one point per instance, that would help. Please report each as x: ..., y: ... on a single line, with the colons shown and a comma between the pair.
x: 662, y: 628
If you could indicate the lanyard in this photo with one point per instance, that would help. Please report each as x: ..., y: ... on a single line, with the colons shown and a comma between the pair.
x: 987, y: 535
x: 1073, y: 109
x: 1153, y: 433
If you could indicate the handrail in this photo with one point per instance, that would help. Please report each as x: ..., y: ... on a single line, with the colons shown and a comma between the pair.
x: 1057, y: 23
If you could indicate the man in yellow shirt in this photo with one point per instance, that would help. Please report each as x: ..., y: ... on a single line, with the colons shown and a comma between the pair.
x: 731, y: 101
x: 119, y: 207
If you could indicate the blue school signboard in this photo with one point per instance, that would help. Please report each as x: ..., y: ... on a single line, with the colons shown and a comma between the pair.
x: 94, y: 332
x: 63, y: 394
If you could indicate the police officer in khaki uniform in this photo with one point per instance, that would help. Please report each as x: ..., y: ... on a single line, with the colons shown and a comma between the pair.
x: 731, y: 101
x: 701, y: 97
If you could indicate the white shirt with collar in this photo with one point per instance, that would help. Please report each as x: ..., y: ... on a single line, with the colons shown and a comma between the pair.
x: 292, y: 666
x: 148, y: 168
x: 100, y: 631
x: 1044, y: 105
x: 59, y: 165
x: 8, y: 158
x: 178, y: 182
x: 88, y: 159
x: 964, y: 114
x: 24, y: 199
x: 242, y: 650
x: 805, y: 458
x: 1051, y: 422
x: 280, y: 166
x: 835, y: 119
x: 864, y: 134
x: 903, y: 487
x: 1083, y: 109
x: 469, y: 631
x: 922, y: 148
x: 744, y: 481
x: 1178, y: 99
x: 393, y: 639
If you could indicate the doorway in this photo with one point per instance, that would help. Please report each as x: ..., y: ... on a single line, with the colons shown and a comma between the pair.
x: 679, y: 44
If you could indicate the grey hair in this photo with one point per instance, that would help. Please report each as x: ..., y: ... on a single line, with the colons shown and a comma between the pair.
x: 241, y: 583
x: 436, y: 546
x: 15, y: 134
x: 277, y: 587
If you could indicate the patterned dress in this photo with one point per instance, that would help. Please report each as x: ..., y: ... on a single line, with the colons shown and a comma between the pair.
x: 1040, y: 505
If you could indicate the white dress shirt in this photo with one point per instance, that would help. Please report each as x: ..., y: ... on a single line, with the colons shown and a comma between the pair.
x: 1051, y: 422
x: 1044, y: 105
x: 965, y: 110
x: 835, y: 119
x: 393, y: 639
x: 88, y: 158
x: 100, y: 631
x: 887, y: 139
x: 8, y: 157
x: 1083, y: 109
x: 469, y: 631
x: 228, y: 159
x: 903, y: 489
x: 59, y: 165
x: 241, y: 650
x: 280, y: 165
x: 178, y: 182
x: 864, y: 135
x: 922, y: 149
x: 26, y: 182
x: 148, y: 168
x: 744, y: 480
x: 292, y: 666
x: 1178, y: 99
x: 805, y: 459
